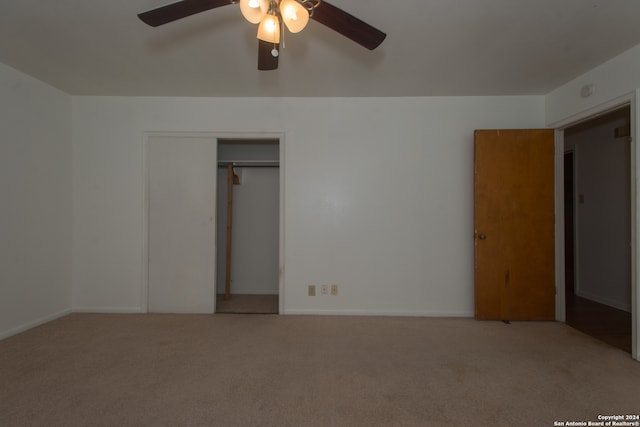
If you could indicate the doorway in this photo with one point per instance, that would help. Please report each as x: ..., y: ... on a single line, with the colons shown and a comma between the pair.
x: 597, y: 179
x: 248, y: 217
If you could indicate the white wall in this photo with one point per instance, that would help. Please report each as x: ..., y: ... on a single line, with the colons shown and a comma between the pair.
x: 615, y: 78
x: 255, y: 232
x: 35, y: 189
x: 602, y: 210
x: 377, y: 194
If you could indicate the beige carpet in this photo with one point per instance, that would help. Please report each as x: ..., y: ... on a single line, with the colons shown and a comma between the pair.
x: 244, y: 370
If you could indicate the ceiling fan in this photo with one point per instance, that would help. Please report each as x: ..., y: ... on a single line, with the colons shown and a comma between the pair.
x: 272, y: 16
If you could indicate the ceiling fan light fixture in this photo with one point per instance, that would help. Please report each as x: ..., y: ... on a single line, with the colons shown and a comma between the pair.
x: 294, y: 15
x: 269, y: 29
x: 254, y: 10
x: 272, y: 16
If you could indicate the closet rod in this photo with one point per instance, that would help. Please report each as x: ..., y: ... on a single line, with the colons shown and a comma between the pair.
x: 250, y: 163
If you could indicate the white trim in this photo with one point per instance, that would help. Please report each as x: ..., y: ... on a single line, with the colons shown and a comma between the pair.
x: 281, y: 270
x: 110, y: 310
x: 144, y: 284
x: 383, y: 313
x: 30, y: 325
x: 561, y: 314
x: 630, y: 99
x: 596, y: 111
x: 214, y: 136
x: 635, y: 238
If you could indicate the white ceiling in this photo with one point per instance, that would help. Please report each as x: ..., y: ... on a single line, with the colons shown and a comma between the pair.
x: 433, y: 47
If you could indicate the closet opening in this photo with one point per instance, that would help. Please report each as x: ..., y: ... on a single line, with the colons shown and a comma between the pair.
x: 247, y: 229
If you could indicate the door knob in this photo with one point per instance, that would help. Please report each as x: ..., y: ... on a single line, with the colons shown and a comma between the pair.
x: 482, y: 236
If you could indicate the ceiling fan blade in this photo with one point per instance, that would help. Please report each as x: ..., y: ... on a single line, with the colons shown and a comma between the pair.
x: 348, y: 25
x: 266, y: 61
x: 182, y: 9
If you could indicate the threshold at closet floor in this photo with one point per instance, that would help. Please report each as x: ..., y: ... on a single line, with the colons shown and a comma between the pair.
x: 247, y: 304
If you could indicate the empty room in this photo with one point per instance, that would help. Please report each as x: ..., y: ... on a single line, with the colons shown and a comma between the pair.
x: 292, y: 213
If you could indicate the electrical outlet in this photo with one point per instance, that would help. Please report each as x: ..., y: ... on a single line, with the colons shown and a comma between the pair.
x: 334, y: 289
x: 312, y: 290
x: 324, y: 289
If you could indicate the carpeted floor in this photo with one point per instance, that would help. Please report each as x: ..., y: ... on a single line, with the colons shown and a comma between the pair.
x: 244, y: 370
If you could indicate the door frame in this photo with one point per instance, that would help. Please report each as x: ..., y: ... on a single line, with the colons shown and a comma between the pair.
x: 214, y: 136
x: 629, y: 99
x: 574, y: 215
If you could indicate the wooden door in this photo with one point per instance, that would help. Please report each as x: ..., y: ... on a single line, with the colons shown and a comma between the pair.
x: 514, y: 224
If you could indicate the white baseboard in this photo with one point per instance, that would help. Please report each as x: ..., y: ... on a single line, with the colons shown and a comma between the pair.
x: 611, y: 303
x: 382, y: 313
x: 33, y: 324
x: 109, y: 310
